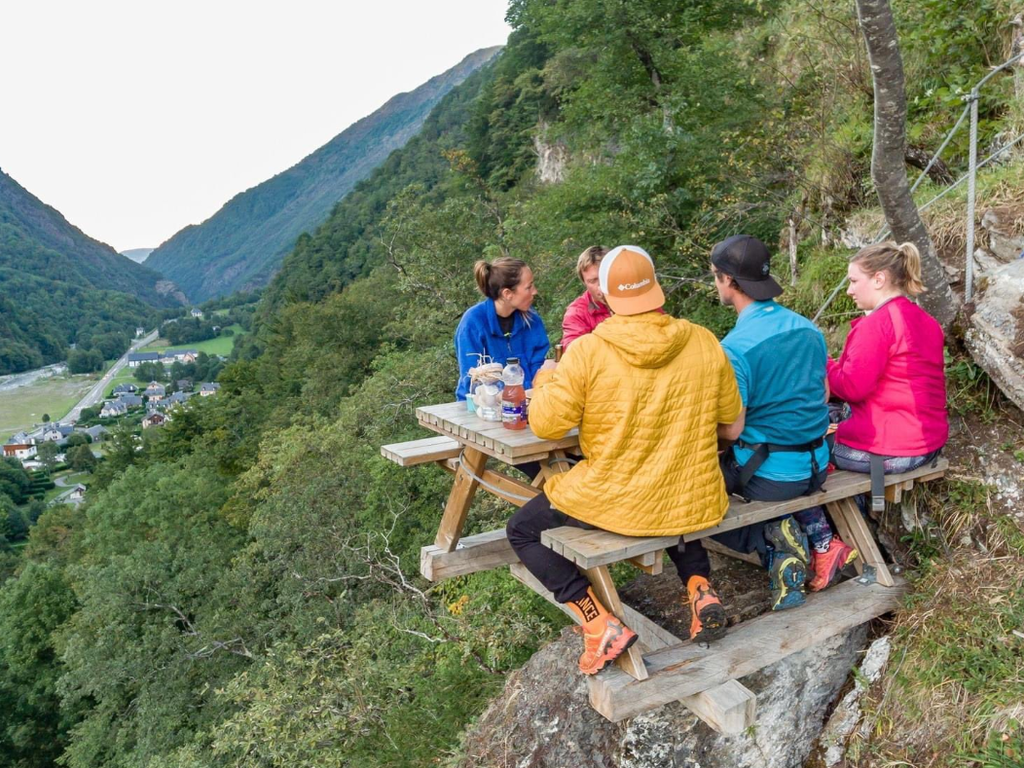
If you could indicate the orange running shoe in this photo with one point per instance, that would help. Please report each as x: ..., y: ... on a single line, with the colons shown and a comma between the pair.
x: 605, y: 638
x: 827, y: 565
x: 708, y: 618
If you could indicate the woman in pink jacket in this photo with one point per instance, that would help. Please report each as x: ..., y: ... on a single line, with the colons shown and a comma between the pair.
x: 891, y: 370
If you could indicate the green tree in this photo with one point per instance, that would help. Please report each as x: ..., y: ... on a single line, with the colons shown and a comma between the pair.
x: 47, y: 453
x: 46, y: 418
x: 81, y: 458
x: 154, y: 636
x: 33, y: 726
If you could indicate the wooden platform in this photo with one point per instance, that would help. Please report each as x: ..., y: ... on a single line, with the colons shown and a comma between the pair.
x: 729, y: 708
x: 677, y: 672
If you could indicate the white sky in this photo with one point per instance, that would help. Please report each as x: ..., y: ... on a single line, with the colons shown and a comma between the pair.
x: 135, y: 118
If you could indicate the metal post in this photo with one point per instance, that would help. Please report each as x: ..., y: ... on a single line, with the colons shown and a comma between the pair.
x: 971, y: 179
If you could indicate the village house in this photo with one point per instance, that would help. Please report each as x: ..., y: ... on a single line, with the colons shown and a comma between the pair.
x: 139, y: 331
x: 130, y: 401
x: 113, y: 408
x: 19, y: 451
x: 178, y: 398
x: 77, y: 495
x: 126, y: 389
x: 154, y: 419
x: 209, y: 388
x: 184, y: 385
x: 56, y: 433
x: 155, y: 391
x: 197, y: 313
x: 135, y: 359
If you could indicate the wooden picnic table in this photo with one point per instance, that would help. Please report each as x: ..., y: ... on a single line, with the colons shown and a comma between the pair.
x: 480, y: 440
x: 660, y: 667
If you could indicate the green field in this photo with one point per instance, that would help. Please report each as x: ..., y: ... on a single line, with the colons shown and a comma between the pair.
x: 24, y: 407
x: 222, y: 345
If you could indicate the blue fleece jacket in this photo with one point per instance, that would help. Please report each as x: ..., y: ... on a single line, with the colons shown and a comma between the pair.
x: 479, y: 331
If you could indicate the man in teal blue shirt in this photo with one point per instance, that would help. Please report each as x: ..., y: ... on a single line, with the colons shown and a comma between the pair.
x: 779, y: 359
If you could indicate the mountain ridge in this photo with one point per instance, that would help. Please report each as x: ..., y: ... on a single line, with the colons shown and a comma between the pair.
x: 243, y: 243
x: 60, y: 286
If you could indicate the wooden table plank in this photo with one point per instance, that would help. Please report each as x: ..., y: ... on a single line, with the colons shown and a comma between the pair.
x: 688, y: 669
x: 514, y: 446
x: 840, y: 485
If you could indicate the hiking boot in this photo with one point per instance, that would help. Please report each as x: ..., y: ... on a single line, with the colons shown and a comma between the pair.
x: 788, y: 538
x: 708, y: 620
x: 604, y: 640
x: 787, y: 577
x: 827, y: 565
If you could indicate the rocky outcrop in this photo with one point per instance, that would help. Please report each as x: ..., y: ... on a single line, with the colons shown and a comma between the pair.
x: 552, y: 157
x: 168, y: 288
x: 1000, y: 227
x: 544, y: 719
x: 995, y: 336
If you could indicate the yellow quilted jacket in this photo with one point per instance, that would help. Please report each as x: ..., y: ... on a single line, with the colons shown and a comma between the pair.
x: 647, y: 392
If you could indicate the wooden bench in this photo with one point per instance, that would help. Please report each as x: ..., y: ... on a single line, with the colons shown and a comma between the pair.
x: 424, y: 451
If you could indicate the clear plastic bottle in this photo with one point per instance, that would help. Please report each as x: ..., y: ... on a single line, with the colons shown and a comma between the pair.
x: 513, y: 396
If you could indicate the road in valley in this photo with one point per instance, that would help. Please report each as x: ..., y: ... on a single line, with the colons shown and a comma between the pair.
x: 96, y: 394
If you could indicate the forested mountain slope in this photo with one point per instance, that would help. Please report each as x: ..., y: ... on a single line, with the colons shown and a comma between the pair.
x: 243, y: 590
x: 241, y: 246
x: 58, y: 285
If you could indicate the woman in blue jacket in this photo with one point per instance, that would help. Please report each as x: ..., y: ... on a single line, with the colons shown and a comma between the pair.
x: 502, y: 325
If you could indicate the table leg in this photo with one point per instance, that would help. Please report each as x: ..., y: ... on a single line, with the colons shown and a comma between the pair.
x: 631, y: 662
x: 463, y: 491
x: 855, y: 532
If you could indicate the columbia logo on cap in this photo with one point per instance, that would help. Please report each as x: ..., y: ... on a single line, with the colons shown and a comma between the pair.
x: 628, y: 281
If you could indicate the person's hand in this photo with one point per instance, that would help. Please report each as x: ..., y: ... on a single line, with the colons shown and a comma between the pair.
x: 549, y: 365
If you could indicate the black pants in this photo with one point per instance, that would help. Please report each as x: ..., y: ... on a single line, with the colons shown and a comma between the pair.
x: 694, y: 558
x: 560, y: 575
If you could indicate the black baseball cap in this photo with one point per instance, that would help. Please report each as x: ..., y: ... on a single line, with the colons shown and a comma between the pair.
x: 747, y: 261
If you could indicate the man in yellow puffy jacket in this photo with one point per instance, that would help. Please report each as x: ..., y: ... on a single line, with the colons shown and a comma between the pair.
x: 651, y: 395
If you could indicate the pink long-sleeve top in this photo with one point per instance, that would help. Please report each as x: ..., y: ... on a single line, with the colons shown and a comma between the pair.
x: 891, y: 373
x: 582, y: 317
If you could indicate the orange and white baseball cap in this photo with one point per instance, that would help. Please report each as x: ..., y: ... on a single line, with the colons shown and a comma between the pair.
x: 628, y: 282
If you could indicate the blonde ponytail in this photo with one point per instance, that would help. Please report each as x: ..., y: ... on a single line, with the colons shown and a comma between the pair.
x: 901, y: 261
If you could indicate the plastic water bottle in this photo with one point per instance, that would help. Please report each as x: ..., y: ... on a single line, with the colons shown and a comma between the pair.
x: 513, y: 396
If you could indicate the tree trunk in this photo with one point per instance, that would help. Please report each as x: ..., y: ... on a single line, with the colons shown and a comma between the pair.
x: 888, y: 167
